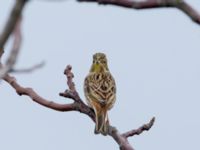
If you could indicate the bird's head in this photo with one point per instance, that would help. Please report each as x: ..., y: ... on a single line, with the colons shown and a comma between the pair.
x: 99, y: 63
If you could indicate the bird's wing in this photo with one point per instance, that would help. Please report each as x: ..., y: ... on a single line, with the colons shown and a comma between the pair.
x: 101, y: 88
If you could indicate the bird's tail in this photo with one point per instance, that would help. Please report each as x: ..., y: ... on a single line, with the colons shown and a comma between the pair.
x: 102, y: 122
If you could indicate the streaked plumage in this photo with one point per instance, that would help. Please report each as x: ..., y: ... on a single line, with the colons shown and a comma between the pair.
x: 100, y: 91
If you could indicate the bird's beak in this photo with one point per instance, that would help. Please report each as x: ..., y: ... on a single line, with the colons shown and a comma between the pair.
x: 96, y: 63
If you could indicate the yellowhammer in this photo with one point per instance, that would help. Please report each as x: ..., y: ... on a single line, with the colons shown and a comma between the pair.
x: 100, y: 91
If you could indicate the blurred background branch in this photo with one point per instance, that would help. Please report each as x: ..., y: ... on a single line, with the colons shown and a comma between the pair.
x: 28, y: 69
x: 11, y: 22
x: 149, y: 4
x: 14, y: 51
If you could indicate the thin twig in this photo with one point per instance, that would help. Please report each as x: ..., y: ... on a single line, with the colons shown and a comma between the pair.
x: 70, y: 77
x: 28, y: 70
x: 138, y: 131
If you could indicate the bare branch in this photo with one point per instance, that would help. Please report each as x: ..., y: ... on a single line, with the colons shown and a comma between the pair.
x: 78, y: 105
x: 35, y: 97
x: 73, y: 94
x: 70, y: 77
x: 138, y: 131
x: 14, y: 52
x: 190, y: 11
x: 11, y: 22
x: 28, y: 70
x: 146, y: 4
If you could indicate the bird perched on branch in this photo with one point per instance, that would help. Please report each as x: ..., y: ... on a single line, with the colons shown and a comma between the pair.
x: 100, y: 91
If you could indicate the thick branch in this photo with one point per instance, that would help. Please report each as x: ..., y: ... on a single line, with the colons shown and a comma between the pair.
x: 190, y: 11
x: 78, y: 105
x: 11, y: 22
x: 133, y: 4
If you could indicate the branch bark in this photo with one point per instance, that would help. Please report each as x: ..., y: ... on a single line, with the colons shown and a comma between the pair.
x: 11, y: 22
x: 14, y: 52
x: 147, y: 4
x: 77, y: 105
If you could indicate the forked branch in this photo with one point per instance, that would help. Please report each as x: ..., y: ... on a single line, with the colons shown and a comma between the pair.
x: 77, y: 105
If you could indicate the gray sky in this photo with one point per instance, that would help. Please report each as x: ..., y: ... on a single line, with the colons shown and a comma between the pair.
x: 153, y: 55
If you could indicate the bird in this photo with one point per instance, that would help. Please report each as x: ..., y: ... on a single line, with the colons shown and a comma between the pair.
x: 100, y: 92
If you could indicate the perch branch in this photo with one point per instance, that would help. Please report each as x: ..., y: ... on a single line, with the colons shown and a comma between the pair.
x: 11, y: 22
x: 77, y: 105
x: 146, y: 4
x: 14, y: 52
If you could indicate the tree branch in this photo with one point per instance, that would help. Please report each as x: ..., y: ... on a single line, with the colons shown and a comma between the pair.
x: 11, y: 22
x: 14, y: 52
x: 35, y: 97
x: 77, y: 105
x: 138, y: 131
x: 27, y: 70
x: 146, y: 4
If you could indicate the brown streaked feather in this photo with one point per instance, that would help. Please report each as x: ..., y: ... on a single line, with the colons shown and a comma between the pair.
x: 100, y: 87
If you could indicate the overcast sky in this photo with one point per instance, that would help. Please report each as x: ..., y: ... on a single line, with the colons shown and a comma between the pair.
x: 153, y: 55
